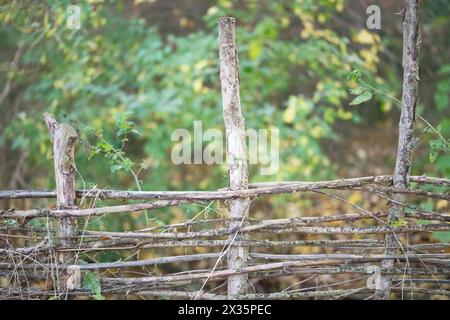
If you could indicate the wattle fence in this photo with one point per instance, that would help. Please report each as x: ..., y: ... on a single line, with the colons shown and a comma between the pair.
x: 367, y: 254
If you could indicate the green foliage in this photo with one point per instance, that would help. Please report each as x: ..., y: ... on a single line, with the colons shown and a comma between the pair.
x: 437, y: 146
x: 443, y: 88
x: 126, y: 86
x: 443, y: 236
x: 399, y: 223
x: 127, y: 81
x: 361, y: 98
x: 365, y: 92
x: 355, y: 75
x: 91, y: 281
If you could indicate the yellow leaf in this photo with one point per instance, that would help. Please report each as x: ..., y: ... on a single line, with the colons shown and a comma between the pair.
x: 184, y: 22
x: 355, y: 197
x: 185, y: 68
x: 58, y: 84
x: 289, y: 114
x: 317, y: 132
x: 211, y: 11
x: 441, y: 204
x: 254, y: 49
x: 197, y: 85
x: 370, y: 58
x: 200, y: 65
x: 365, y: 37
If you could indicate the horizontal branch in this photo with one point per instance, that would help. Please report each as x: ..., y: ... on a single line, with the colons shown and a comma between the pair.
x: 271, y: 296
x: 137, y: 244
x: 255, y: 190
x: 279, y: 229
x: 339, y: 293
x: 428, y: 258
x: 215, y: 274
x: 112, y: 265
x: 357, y: 230
x: 37, y: 213
x: 267, y: 271
x: 349, y: 269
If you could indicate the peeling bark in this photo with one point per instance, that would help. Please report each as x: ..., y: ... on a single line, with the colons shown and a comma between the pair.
x: 64, y: 138
x: 236, y: 148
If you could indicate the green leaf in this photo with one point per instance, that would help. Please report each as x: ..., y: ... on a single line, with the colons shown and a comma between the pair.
x: 366, y: 96
x: 91, y: 281
x: 354, y: 75
x: 11, y: 222
x: 98, y: 297
x: 432, y: 156
x: 399, y: 223
x: 357, y: 90
x: 443, y: 236
x: 116, y: 167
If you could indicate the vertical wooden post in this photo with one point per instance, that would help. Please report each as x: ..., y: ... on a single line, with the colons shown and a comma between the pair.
x: 236, y: 148
x: 406, y: 140
x: 64, y: 138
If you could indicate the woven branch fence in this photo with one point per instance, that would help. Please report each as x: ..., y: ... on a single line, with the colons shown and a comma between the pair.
x: 367, y: 254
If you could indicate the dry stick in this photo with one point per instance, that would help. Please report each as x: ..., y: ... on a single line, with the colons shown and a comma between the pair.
x: 80, y: 213
x: 349, y: 269
x: 338, y: 293
x: 270, y: 296
x: 217, y: 195
x: 357, y: 230
x: 135, y: 244
x: 217, y: 274
x: 437, y: 257
x: 351, y: 258
x: 279, y: 229
x: 37, y: 213
x: 236, y: 147
x: 343, y: 268
x: 209, y: 233
x: 417, y: 192
x: 257, y: 189
x: 163, y: 203
x: 64, y: 138
x: 261, y: 271
x: 357, y: 181
x: 406, y: 140
x: 120, y: 264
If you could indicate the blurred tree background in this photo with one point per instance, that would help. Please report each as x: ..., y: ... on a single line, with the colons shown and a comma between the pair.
x: 138, y: 70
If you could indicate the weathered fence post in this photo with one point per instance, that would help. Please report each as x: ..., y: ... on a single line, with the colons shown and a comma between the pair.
x: 236, y: 148
x: 406, y: 140
x: 64, y: 138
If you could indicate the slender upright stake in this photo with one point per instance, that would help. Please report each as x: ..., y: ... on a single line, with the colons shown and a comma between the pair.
x: 236, y: 148
x: 64, y: 138
x: 406, y: 140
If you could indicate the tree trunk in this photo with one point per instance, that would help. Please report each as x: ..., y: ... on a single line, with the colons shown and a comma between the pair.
x: 64, y: 138
x: 236, y: 149
x: 406, y: 140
